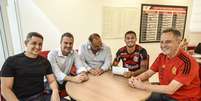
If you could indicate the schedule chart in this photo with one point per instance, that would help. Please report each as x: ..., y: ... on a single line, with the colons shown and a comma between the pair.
x: 156, y: 18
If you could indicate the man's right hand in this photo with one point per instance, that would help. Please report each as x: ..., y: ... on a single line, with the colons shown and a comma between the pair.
x: 79, y: 78
x: 127, y: 74
x: 83, y: 76
x: 96, y: 71
x: 93, y: 71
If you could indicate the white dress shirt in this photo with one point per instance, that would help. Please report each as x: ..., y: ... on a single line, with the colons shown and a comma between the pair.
x: 61, y: 65
x: 102, y: 59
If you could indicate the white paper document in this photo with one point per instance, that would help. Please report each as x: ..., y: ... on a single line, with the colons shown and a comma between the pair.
x: 196, y: 55
x: 119, y: 70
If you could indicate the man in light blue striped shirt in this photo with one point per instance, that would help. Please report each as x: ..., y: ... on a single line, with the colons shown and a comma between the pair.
x: 95, y: 55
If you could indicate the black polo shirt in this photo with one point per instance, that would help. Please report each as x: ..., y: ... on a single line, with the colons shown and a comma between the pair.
x: 28, y: 74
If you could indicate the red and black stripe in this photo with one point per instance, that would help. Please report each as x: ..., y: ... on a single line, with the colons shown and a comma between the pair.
x: 187, y: 64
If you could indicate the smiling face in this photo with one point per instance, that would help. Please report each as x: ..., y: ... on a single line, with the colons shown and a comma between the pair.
x: 34, y: 45
x: 66, y: 45
x: 130, y: 40
x: 169, y: 44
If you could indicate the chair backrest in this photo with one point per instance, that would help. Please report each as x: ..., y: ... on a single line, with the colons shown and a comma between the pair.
x: 44, y: 53
x: 200, y: 73
x: 198, y: 48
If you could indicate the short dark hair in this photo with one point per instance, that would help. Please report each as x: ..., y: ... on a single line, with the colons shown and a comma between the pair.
x: 92, y: 36
x: 31, y: 34
x: 66, y: 34
x: 130, y: 32
x: 175, y: 32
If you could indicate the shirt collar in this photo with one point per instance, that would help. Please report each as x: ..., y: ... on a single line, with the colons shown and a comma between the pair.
x: 89, y: 46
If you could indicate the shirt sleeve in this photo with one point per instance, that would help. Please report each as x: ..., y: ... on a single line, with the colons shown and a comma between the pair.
x: 143, y: 54
x: 78, y: 64
x: 83, y: 60
x: 57, y: 72
x: 117, y: 58
x: 108, y: 59
x: 187, y: 72
x: 8, y: 69
x: 157, y: 63
x: 49, y: 68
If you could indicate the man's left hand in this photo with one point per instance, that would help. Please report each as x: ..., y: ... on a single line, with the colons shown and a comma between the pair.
x: 136, y: 82
x: 127, y: 74
x: 84, y: 76
x: 99, y: 71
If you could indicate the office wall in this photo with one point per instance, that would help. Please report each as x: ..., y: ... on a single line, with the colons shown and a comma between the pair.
x: 195, y: 21
x: 152, y: 48
x: 54, y: 17
x: 82, y: 17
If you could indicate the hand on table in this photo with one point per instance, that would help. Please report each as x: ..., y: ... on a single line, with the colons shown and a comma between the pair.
x: 127, y: 74
x: 96, y: 71
x: 80, y: 78
x: 136, y: 82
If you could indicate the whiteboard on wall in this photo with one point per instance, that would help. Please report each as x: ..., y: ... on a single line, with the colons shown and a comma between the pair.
x: 195, y: 21
x: 118, y: 20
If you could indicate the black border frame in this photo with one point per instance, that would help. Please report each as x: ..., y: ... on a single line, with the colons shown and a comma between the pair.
x: 142, y: 5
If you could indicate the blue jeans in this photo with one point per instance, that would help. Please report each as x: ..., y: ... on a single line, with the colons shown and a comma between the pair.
x: 36, y: 97
x: 48, y: 98
x: 159, y: 97
x: 40, y: 97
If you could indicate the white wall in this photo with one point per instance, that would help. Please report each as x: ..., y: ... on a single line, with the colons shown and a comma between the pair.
x: 82, y: 17
x: 152, y: 48
x: 195, y: 17
x: 54, y: 17
x: 34, y: 20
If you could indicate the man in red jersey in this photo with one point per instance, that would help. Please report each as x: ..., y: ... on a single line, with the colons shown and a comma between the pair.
x: 133, y: 56
x: 178, y: 72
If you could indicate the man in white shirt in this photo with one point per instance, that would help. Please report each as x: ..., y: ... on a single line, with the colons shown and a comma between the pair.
x: 63, y: 59
x: 95, y: 55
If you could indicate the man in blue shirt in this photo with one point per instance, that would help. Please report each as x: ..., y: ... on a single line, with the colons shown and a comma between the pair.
x: 95, y: 55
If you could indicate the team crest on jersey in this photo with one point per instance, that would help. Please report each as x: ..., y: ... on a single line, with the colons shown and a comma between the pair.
x: 174, y: 70
x: 124, y: 59
x: 163, y: 66
x: 123, y: 53
x: 136, y: 53
x: 135, y: 58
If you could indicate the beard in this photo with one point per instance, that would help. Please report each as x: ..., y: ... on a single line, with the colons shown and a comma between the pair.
x: 165, y: 51
x: 66, y: 50
x: 130, y: 45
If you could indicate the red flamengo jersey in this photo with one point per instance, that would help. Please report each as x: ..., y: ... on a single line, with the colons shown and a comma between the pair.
x: 182, y: 68
x: 130, y: 60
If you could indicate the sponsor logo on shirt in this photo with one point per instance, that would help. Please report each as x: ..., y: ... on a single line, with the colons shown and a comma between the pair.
x: 163, y: 66
x: 174, y: 70
x: 135, y: 58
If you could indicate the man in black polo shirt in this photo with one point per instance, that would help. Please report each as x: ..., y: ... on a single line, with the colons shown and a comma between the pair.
x: 23, y: 74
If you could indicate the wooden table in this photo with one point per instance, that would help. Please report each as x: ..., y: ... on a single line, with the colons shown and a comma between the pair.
x: 107, y: 87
